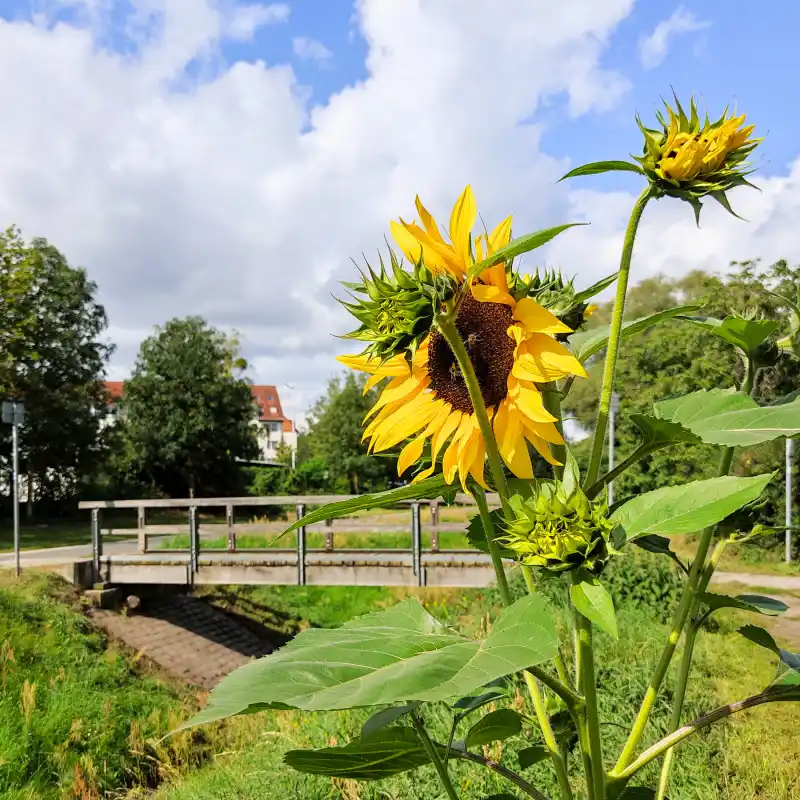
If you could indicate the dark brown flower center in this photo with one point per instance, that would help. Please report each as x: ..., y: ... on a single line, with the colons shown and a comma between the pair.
x: 483, y: 329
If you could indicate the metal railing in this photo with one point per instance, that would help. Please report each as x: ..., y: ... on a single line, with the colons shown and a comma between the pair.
x: 144, y: 530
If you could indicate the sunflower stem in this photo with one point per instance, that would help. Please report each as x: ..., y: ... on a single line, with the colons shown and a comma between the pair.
x: 446, y: 325
x: 433, y: 754
x: 614, y: 339
x: 494, y: 550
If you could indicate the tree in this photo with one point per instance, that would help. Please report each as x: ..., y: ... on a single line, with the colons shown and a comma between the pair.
x: 334, y: 435
x: 675, y: 358
x: 187, y: 412
x: 54, y: 361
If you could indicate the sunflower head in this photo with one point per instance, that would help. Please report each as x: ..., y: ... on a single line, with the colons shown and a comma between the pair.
x: 690, y: 159
x: 395, y: 307
x: 558, y: 529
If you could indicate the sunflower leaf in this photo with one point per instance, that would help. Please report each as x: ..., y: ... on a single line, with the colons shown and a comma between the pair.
x: 590, y: 291
x: 744, y: 334
x: 598, y: 167
x: 585, y: 344
x: 516, y: 247
x: 592, y: 600
x: 397, y: 655
x: 745, y: 602
x: 496, y: 726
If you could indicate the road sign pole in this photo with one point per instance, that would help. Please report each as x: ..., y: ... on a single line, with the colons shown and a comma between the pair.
x: 15, y: 490
x: 789, y: 499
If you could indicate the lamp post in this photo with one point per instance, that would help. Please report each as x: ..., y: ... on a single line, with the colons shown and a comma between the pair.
x: 611, y: 436
x: 293, y: 389
x: 789, y: 498
x: 14, y: 413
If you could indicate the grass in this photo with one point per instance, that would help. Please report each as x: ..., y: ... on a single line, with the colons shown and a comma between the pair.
x: 752, y: 557
x: 54, y: 533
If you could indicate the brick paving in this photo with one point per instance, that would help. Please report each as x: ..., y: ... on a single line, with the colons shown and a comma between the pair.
x: 185, y: 636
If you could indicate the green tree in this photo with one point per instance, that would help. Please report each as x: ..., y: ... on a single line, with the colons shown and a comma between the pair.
x: 187, y: 412
x: 53, y: 360
x: 334, y: 436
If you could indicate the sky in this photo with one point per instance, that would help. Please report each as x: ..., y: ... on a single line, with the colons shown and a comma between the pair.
x: 229, y: 159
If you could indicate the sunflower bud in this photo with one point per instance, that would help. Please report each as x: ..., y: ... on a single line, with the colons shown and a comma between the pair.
x: 559, y: 531
x: 396, y: 309
x: 690, y: 160
x: 791, y: 342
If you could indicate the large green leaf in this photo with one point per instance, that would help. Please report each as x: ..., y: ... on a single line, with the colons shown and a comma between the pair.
x: 745, y: 334
x: 585, y: 344
x: 745, y: 602
x: 674, y: 510
x: 476, y: 533
x: 381, y: 755
x: 593, y: 601
x: 657, y: 433
x: 392, y: 656
x: 496, y: 726
x: 720, y: 417
x: 598, y: 167
x: 424, y: 490
x: 516, y: 247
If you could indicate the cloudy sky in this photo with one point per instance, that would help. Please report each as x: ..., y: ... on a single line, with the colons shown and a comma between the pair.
x: 228, y: 159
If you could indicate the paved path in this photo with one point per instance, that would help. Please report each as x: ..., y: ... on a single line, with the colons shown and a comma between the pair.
x: 790, y: 583
x: 185, y: 636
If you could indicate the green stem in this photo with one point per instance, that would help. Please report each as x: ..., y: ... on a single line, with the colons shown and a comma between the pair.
x: 589, y: 686
x: 549, y: 737
x: 551, y: 399
x: 678, y: 736
x: 679, y: 620
x: 642, y: 451
x: 614, y: 339
x: 434, y: 756
x: 494, y: 550
x: 448, y: 329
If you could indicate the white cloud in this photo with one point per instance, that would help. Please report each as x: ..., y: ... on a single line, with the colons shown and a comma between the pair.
x: 233, y: 198
x: 245, y: 20
x: 653, y: 49
x: 311, y: 50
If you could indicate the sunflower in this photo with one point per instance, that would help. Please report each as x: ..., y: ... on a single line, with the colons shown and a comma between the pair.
x: 511, y: 344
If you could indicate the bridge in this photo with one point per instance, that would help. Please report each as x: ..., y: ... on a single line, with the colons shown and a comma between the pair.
x: 135, y: 561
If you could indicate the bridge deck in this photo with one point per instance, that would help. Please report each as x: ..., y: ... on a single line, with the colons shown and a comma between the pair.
x: 338, y: 568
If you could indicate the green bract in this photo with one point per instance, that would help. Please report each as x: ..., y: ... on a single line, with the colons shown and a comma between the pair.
x: 558, y: 529
x: 396, y: 307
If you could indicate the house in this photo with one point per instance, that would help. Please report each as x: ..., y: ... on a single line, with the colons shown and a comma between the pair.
x: 274, y: 428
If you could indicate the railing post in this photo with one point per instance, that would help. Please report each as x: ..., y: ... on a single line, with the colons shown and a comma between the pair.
x: 231, y: 532
x: 194, y: 542
x: 301, y: 547
x: 141, y: 524
x: 435, y: 526
x: 329, y: 535
x: 97, y: 544
x: 416, y: 543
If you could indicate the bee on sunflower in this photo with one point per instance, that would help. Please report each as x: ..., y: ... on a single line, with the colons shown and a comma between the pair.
x: 510, y: 338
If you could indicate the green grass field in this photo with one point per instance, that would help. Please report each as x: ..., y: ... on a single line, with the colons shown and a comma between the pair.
x: 90, y: 727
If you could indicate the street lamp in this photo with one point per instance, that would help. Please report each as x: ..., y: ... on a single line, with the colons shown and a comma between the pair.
x: 292, y: 388
x: 614, y: 409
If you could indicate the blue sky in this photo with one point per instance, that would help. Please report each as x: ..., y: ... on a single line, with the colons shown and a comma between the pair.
x: 227, y: 159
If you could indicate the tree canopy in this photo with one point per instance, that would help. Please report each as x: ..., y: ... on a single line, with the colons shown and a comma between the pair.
x: 53, y: 359
x: 187, y: 412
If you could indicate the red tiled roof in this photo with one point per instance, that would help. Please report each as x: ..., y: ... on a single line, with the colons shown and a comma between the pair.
x: 266, y: 397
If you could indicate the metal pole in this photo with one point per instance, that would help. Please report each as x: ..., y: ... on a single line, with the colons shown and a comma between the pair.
x: 301, y: 547
x: 194, y: 541
x: 416, y: 543
x: 789, y: 499
x: 97, y: 544
x: 15, y: 490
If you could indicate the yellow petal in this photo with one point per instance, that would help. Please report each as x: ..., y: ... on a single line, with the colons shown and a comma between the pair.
x: 412, y: 249
x: 510, y: 441
x: 400, y: 389
x: 428, y: 222
x: 478, y: 464
x: 372, y: 382
x: 462, y: 220
x: 448, y: 425
x: 410, y: 453
x: 437, y: 255
x: 450, y: 461
x: 543, y: 430
x: 468, y: 451
x: 529, y: 402
x: 500, y: 236
x: 407, y: 421
x: 537, y: 319
x: 543, y: 449
x: 393, y: 366
x: 541, y: 359
x: 491, y: 294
